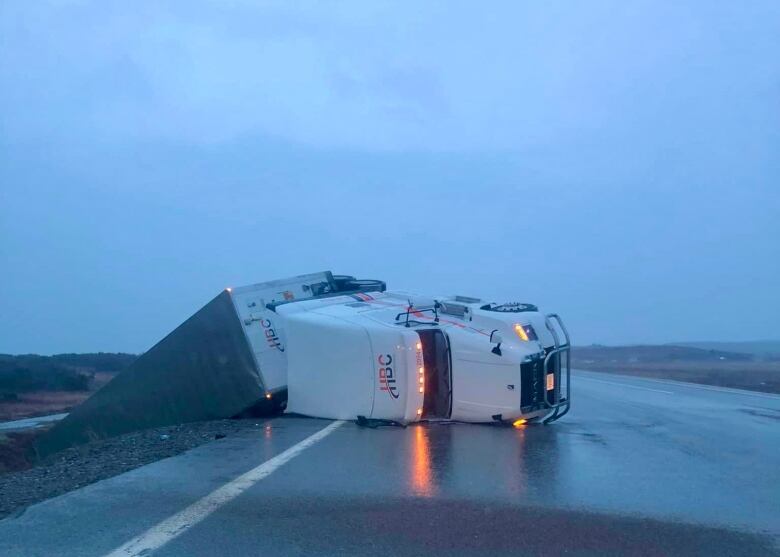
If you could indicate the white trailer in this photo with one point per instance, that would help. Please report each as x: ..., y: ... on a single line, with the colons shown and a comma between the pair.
x: 336, y: 347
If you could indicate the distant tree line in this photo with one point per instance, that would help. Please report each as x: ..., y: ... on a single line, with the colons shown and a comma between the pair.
x: 61, y: 372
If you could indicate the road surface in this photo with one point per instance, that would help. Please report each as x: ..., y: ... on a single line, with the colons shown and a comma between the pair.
x: 30, y: 423
x: 638, y: 466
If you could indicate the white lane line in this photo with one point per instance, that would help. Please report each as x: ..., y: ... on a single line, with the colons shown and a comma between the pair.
x: 624, y: 385
x: 170, y: 528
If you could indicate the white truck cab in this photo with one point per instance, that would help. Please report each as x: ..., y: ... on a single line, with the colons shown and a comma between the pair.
x: 335, y: 347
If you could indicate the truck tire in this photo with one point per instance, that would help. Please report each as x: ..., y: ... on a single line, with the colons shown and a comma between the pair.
x: 341, y: 282
x: 366, y: 285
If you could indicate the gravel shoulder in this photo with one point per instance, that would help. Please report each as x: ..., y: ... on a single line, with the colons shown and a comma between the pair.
x: 79, y: 466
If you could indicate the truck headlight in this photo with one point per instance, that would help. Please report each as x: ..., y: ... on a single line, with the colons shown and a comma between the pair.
x: 525, y: 332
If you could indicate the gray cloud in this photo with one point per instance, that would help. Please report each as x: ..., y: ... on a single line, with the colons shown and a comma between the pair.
x: 613, y: 161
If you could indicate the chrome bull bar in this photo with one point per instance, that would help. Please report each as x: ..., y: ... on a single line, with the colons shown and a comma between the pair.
x: 562, y: 353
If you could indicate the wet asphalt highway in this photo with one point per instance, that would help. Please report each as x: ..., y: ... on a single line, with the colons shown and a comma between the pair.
x: 637, y: 467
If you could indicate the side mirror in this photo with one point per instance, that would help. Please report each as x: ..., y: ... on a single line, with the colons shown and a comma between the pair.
x: 497, y: 339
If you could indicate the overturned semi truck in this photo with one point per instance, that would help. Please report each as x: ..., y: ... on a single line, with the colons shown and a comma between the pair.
x: 333, y: 346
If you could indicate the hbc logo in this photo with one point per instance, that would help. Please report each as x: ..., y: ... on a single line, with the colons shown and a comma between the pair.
x: 386, y: 377
x: 270, y: 335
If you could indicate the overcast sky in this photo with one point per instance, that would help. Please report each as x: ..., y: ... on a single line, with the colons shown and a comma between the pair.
x: 616, y: 162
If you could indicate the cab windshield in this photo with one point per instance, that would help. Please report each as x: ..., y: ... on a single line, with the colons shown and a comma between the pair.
x: 438, y: 377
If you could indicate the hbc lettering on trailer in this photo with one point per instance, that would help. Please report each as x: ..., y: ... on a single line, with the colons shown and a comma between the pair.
x: 270, y: 335
x: 386, y: 377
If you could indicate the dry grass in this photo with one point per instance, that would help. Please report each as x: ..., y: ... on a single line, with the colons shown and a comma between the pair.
x: 16, y: 451
x: 42, y: 403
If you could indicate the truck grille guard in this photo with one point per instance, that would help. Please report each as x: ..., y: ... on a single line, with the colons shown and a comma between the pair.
x: 561, y: 353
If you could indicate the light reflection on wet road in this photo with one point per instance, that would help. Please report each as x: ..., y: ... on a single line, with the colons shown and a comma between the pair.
x: 422, y: 467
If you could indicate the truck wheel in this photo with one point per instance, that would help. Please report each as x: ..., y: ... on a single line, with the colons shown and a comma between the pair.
x: 366, y: 285
x: 341, y: 282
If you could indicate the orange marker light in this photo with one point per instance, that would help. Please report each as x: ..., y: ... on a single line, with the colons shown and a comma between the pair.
x: 421, y: 370
x: 422, y: 379
x: 419, y: 411
x: 520, y: 331
x: 519, y: 423
x: 422, y: 389
x: 419, y: 346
